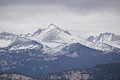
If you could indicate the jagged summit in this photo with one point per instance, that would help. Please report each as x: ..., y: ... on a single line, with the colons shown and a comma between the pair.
x: 6, y: 33
x: 109, y: 36
x: 52, y: 34
x: 7, y: 36
x: 103, y: 37
x: 53, y: 26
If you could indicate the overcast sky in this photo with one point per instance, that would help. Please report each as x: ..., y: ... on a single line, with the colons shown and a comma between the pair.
x: 79, y: 17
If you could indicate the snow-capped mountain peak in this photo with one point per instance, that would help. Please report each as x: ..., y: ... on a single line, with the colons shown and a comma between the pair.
x: 51, y: 34
x: 23, y: 43
x: 53, y: 26
x: 104, y: 37
x: 6, y: 38
x: 6, y: 35
x: 107, y: 38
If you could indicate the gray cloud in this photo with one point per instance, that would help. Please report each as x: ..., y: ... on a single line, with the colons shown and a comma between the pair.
x: 73, y: 5
x: 80, y: 16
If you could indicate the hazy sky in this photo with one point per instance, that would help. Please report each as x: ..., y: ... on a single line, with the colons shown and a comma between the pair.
x: 80, y: 17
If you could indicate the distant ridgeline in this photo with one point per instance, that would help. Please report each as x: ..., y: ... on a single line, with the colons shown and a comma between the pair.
x: 109, y: 71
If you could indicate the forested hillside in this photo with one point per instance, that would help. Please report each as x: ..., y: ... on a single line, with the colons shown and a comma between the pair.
x: 109, y: 71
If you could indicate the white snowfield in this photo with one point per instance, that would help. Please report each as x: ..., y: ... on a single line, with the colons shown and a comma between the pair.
x: 4, y: 43
x: 24, y: 47
x: 114, y: 43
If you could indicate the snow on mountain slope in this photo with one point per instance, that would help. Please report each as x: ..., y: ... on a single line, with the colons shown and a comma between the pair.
x: 53, y: 36
x: 106, y: 38
x: 67, y: 48
x: 24, y: 43
x: 4, y: 43
x: 103, y: 46
x: 15, y: 42
x: 91, y: 39
x: 6, y: 38
x: 114, y: 43
x: 39, y: 31
x: 25, y: 35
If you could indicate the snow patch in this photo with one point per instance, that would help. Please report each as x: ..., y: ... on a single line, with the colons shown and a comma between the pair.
x: 4, y: 43
x: 73, y: 55
x: 24, y: 47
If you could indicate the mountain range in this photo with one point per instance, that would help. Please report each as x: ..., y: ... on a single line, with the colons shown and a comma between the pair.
x: 54, y: 49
